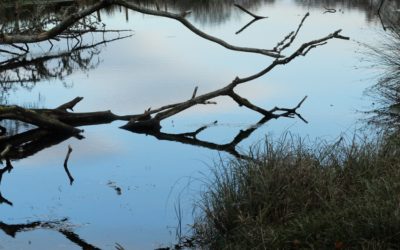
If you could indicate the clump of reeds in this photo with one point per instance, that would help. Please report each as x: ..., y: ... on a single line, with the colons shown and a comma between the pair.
x: 386, y: 92
x: 296, y: 195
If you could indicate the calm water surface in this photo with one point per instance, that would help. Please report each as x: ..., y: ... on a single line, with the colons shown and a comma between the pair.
x: 161, y: 64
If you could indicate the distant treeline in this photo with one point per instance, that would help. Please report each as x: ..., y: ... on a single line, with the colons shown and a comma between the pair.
x: 207, y: 11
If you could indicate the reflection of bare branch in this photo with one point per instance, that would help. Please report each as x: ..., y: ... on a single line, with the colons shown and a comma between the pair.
x: 329, y: 10
x: 255, y: 18
x: 231, y: 147
x: 58, y: 226
x: 8, y: 166
x: 6, y: 169
x: 382, y: 23
x: 75, y: 238
x: 61, y: 121
x: 27, y: 143
x: 58, y: 124
x: 39, y: 68
x: 30, y: 142
x: 248, y: 12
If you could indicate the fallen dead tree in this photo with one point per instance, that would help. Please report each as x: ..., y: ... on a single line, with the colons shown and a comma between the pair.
x: 52, y: 126
x: 59, y: 124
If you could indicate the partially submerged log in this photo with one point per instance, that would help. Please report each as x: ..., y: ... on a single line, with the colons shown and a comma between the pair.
x: 25, y: 144
x: 59, y: 124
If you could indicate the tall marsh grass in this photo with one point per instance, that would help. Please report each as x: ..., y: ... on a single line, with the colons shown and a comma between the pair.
x: 301, y: 195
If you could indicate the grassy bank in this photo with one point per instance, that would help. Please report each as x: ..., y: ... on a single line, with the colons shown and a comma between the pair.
x: 298, y: 195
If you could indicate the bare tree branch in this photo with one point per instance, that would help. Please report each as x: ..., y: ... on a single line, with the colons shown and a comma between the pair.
x: 248, y: 12
x: 255, y: 18
x: 231, y: 147
x: 246, y: 26
x: 39, y: 67
x: 181, y: 18
x: 329, y: 10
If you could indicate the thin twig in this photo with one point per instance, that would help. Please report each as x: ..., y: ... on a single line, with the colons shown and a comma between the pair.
x: 194, y: 92
x: 71, y: 179
x: 246, y: 26
x: 255, y: 18
x: 248, y: 12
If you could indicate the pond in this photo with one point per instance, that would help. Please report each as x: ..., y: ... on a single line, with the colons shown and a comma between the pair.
x: 130, y: 189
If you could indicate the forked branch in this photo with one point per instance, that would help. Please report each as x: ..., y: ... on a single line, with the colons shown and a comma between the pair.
x: 255, y: 18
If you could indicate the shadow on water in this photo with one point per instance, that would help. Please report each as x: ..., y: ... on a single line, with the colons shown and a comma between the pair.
x: 61, y: 226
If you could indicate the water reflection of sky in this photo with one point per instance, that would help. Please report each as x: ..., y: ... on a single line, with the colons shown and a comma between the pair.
x: 161, y: 64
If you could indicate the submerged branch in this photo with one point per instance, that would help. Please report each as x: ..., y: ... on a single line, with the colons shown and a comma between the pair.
x: 71, y: 179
